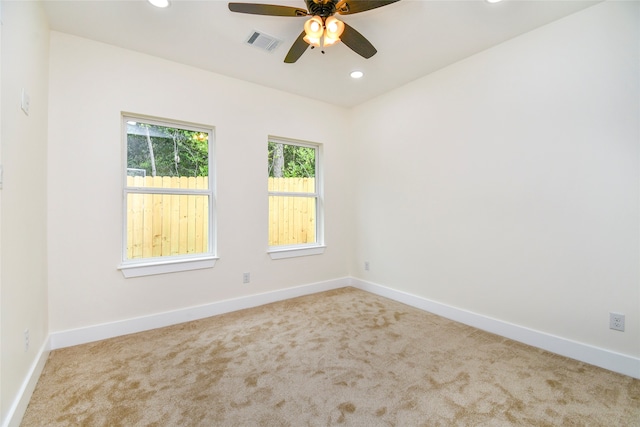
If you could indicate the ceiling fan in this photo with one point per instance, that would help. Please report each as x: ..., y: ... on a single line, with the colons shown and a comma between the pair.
x: 323, y: 28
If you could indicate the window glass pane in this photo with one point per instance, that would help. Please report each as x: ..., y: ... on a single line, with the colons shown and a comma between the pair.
x: 183, y: 182
x: 292, y: 220
x: 292, y: 185
x: 291, y: 161
x: 157, y: 154
x: 166, y: 225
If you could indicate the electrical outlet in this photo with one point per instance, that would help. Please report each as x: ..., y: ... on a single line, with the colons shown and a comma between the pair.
x: 366, y: 266
x: 616, y: 321
x: 26, y: 340
x: 246, y: 277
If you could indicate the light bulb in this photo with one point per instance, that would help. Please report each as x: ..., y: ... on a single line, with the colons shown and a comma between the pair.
x: 313, y: 27
x: 159, y: 3
x: 334, y: 28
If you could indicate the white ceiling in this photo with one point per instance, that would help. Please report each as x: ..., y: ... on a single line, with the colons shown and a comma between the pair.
x: 413, y: 38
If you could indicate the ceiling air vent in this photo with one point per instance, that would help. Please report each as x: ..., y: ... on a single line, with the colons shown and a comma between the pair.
x: 263, y: 41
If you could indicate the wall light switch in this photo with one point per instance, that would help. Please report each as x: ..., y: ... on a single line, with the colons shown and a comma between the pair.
x: 25, y: 101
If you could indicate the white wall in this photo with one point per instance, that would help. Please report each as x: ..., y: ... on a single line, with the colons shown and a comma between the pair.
x: 23, y: 284
x: 508, y: 184
x: 91, y: 84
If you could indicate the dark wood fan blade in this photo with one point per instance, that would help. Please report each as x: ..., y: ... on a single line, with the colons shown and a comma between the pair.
x: 350, y: 7
x: 266, y: 9
x: 357, y: 42
x: 297, y: 49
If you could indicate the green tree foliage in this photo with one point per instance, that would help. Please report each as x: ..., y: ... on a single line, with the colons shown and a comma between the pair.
x: 291, y: 161
x: 173, y: 152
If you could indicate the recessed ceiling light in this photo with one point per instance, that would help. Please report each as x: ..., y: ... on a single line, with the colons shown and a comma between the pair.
x: 494, y: 1
x: 356, y: 74
x: 159, y: 3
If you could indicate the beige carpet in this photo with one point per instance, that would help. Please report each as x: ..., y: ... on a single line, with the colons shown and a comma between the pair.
x: 343, y: 357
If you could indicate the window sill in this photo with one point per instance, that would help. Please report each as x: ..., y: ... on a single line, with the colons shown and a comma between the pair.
x: 151, y: 267
x: 282, y: 253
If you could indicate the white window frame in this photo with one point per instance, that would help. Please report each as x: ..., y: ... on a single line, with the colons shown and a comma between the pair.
x: 303, y: 249
x: 168, y: 264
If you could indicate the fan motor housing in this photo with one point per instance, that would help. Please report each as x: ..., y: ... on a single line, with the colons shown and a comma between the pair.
x: 323, y: 8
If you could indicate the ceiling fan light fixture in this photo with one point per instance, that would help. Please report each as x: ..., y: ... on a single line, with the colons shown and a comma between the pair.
x: 322, y: 28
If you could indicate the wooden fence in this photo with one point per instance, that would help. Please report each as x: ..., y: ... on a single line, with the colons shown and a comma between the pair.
x: 292, y: 219
x: 165, y: 225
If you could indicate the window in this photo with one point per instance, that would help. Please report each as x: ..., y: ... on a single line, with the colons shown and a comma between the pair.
x: 295, y: 199
x: 168, y: 197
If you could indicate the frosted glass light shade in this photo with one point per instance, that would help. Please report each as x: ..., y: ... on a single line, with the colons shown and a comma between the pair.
x: 333, y: 28
x: 313, y: 28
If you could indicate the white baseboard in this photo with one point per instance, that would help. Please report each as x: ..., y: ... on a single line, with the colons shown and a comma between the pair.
x: 621, y: 363
x: 103, y: 331
x: 603, y: 358
x: 616, y: 362
x: 19, y: 406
